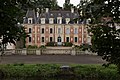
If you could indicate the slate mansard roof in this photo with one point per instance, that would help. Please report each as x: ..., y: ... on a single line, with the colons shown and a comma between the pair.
x: 50, y: 14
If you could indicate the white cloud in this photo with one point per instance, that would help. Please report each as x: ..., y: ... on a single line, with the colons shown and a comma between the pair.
x: 61, y: 2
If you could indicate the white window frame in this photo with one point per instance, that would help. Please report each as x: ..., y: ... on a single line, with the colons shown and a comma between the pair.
x: 42, y: 20
x: 74, y: 39
x: 42, y: 39
x: 75, y: 30
x: 67, y: 20
x: 67, y: 30
x: 59, y: 30
x: 59, y: 20
x: 50, y: 20
x: 30, y: 20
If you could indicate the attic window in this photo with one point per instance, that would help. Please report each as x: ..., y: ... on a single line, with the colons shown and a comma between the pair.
x: 67, y: 20
x: 51, y: 20
x: 58, y: 21
x: 42, y: 20
x: 30, y: 20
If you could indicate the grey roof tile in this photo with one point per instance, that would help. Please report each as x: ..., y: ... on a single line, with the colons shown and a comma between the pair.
x: 51, y: 14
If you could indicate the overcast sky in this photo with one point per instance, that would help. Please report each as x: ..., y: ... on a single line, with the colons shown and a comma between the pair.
x: 61, y: 2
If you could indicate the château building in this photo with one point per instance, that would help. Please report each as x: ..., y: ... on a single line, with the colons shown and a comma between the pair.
x: 54, y: 26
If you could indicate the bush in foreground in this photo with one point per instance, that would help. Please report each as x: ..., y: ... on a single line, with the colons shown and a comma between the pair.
x: 54, y: 70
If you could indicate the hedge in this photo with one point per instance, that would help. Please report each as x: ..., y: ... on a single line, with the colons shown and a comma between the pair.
x: 96, y: 72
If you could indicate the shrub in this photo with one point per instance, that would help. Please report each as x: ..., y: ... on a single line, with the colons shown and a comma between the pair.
x: 50, y: 44
x: 1, y: 74
x: 42, y: 47
x: 18, y: 64
x: 87, y: 72
x: 68, y: 44
x: 32, y: 47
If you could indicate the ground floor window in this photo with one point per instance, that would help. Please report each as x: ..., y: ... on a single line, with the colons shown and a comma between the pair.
x: 30, y: 40
x: 67, y: 39
x: 30, y: 30
x: 51, y: 39
x: 76, y: 39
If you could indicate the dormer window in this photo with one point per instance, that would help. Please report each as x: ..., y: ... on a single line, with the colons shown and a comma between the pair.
x: 42, y: 20
x: 59, y: 20
x: 67, y: 20
x: 30, y: 20
x: 51, y: 20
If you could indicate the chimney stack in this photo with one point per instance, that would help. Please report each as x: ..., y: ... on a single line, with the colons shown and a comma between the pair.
x: 38, y: 12
x: 72, y: 10
x: 47, y: 10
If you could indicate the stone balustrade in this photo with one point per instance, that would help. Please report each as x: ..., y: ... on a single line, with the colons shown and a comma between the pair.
x: 47, y: 51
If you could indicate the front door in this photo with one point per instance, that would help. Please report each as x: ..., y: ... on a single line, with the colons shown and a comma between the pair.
x: 59, y: 41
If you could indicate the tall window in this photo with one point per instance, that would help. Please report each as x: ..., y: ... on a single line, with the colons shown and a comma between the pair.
x: 43, y: 39
x: 30, y: 30
x: 59, y: 39
x: 59, y: 30
x: 51, y: 39
x: 67, y: 39
x: 75, y: 31
x: 67, y: 31
x: 30, y: 40
x: 76, y: 39
x: 51, y: 30
x: 42, y: 30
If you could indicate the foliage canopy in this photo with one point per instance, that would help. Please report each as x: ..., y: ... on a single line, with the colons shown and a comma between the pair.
x: 11, y: 13
x: 104, y: 28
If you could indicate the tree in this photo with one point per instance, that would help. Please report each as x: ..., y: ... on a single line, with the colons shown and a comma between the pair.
x: 11, y: 12
x: 105, y: 20
x: 42, y: 4
x: 67, y: 5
